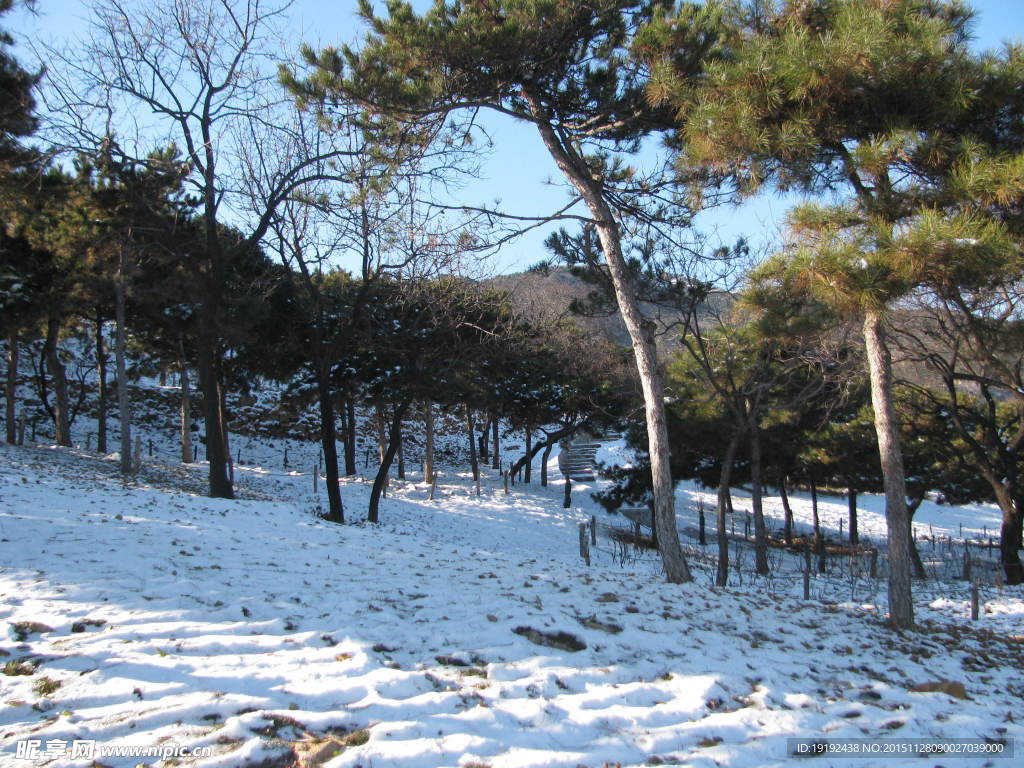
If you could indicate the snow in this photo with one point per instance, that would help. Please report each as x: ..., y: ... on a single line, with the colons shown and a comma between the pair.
x: 252, y: 627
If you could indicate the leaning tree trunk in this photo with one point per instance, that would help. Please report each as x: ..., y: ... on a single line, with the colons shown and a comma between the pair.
x: 373, y: 515
x: 186, y: 405
x: 641, y: 333
x: 474, y: 464
x: 101, y: 372
x: 61, y: 406
x: 724, y: 479
x: 760, y: 532
x: 901, y: 605
x: 11, y: 390
x: 787, y: 511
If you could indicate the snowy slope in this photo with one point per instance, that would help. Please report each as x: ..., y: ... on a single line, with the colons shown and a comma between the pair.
x: 253, y: 628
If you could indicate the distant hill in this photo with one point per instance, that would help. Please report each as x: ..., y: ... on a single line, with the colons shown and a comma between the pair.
x: 546, y: 297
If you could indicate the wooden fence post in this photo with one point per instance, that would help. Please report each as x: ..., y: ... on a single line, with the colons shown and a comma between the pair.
x: 974, y: 600
x: 593, y: 529
x: 567, y: 498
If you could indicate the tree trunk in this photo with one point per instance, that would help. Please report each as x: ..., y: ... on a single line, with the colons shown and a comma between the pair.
x: 528, y: 467
x: 350, y: 437
x: 641, y: 333
x: 548, y: 442
x: 787, y: 526
x: 1009, y: 544
x: 216, y: 452
x: 186, y: 405
x: 373, y: 515
x: 901, y: 606
x: 382, y: 441
x: 760, y: 532
x: 329, y: 444
x: 222, y: 405
x: 851, y: 503
x: 482, y: 442
x: 101, y: 373
x: 819, y: 540
x: 474, y: 464
x: 724, y: 479
x: 61, y: 408
x: 916, y: 563
x: 428, y: 450
x: 544, y: 465
x: 401, y: 454
x: 496, y: 439
x: 124, y: 408
x: 1009, y: 537
x: 11, y: 390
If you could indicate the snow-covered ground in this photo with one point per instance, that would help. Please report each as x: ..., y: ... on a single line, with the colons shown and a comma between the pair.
x: 139, y: 614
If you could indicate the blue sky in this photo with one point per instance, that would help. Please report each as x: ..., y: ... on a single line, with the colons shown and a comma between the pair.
x: 519, y: 171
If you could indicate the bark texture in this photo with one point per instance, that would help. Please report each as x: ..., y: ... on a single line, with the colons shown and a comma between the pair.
x: 897, y: 519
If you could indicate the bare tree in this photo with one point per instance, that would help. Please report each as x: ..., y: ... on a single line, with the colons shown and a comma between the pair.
x: 361, y: 212
x: 194, y: 76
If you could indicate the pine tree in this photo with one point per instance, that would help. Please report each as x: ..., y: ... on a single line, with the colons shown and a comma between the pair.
x: 17, y: 103
x: 563, y: 68
x: 851, y: 97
